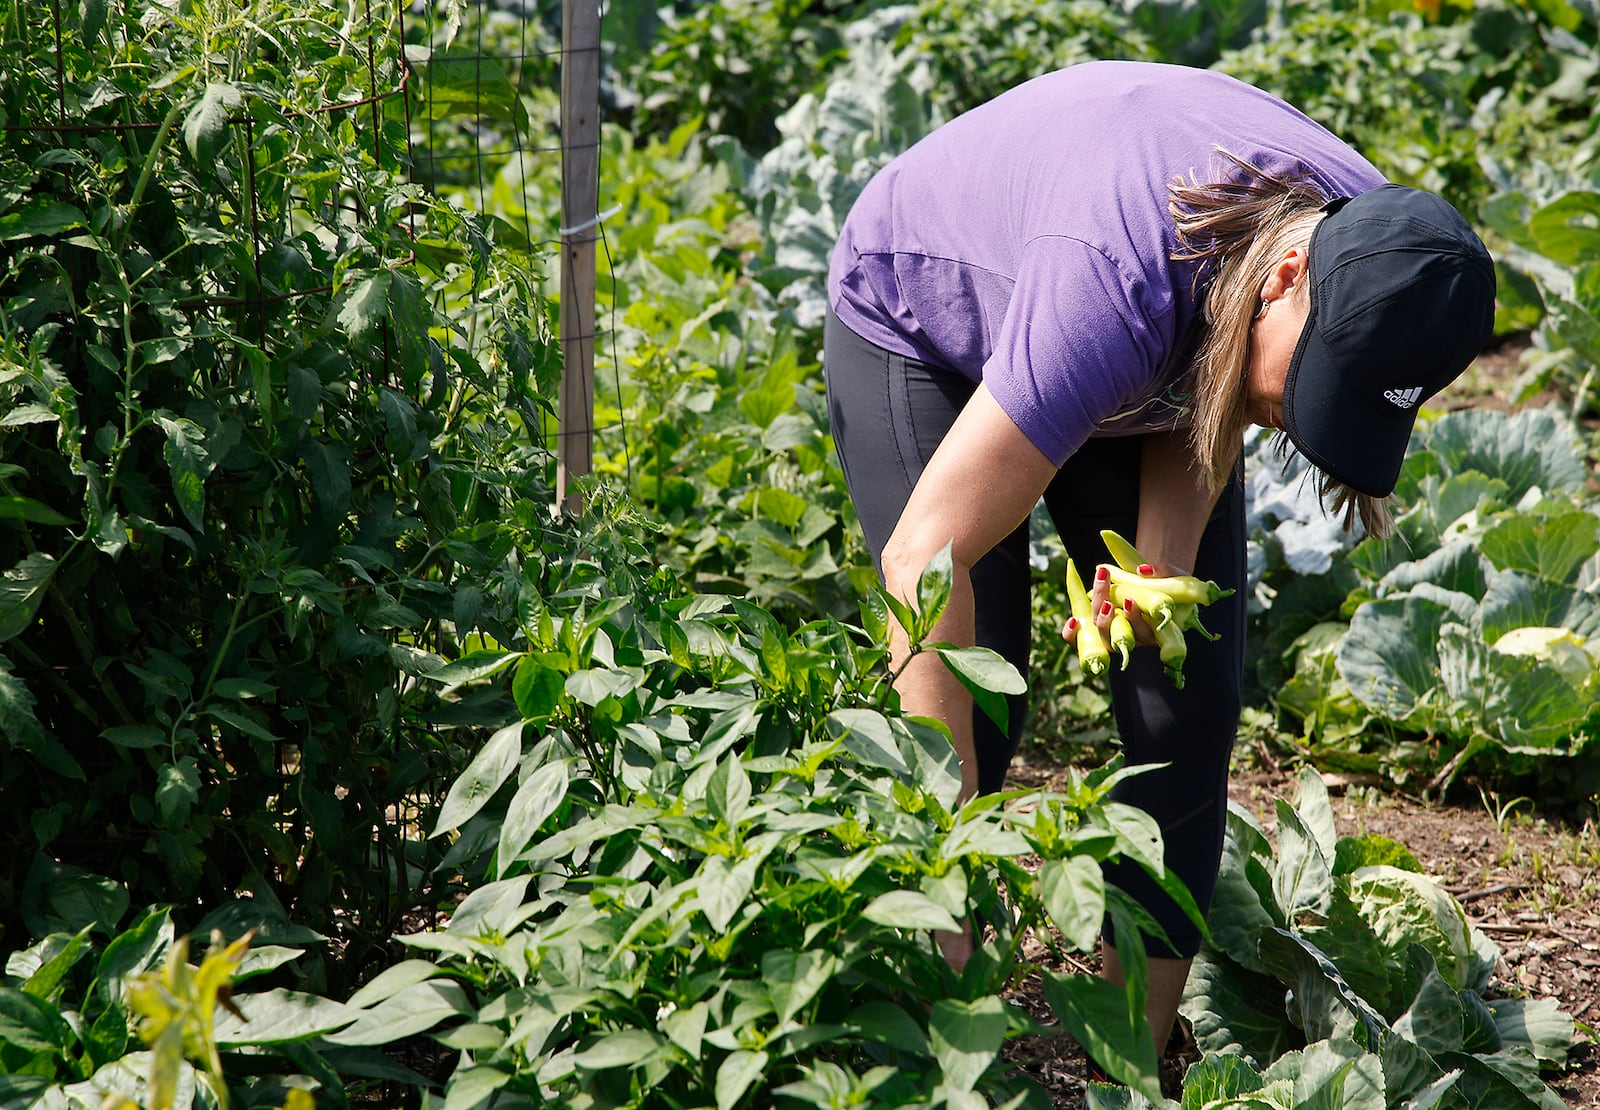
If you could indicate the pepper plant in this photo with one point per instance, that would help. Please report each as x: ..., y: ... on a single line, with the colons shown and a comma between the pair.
x: 708, y: 858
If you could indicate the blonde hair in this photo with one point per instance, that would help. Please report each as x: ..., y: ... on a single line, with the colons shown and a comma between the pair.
x: 1238, y: 228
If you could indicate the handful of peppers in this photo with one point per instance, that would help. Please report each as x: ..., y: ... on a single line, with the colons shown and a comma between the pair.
x: 1170, y: 604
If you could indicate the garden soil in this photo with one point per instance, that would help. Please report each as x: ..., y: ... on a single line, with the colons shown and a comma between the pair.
x: 1532, y: 885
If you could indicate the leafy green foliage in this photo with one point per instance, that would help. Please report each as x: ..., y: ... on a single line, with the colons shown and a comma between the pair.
x: 714, y: 858
x: 1547, y: 222
x: 735, y: 65
x: 76, y: 1014
x: 1338, y: 950
x: 1471, y: 626
x: 271, y: 419
x: 1421, y: 97
x: 975, y: 51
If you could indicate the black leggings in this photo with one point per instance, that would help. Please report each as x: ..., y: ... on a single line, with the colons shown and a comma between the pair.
x: 888, y: 414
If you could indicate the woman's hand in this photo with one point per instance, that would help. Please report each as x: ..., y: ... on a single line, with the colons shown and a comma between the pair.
x: 1105, y: 610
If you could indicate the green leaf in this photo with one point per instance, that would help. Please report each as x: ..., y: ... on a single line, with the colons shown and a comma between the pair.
x: 1243, y: 905
x: 139, y: 948
x: 686, y: 1028
x: 867, y: 735
x: 1516, y: 599
x: 189, y: 465
x: 735, y: 1075
x: 1332, y: 1074
x: 491, y: 909
x: 206, y: 126
x: 1095, y: 1012
x: 535, y: 800
x: 467, y: 83
x: 1568, y: 228
x: 1389, y: 660
x: 765, y: 403
x: 471, y: 1087
x: 1504, y: 1080
x: 793, y: 979
x: 281, y: 1016
x: 1301, y: 881
x: 593, y: 685
x: 724, y: 888
x: 1218, y: 1078
x: 61, y: 898
x: 18, y: 416
x: 35, y: 512
x: 988, y: 676
x: 537, y: 688
x: 473, y: 666
x: 888, y: 1025
x: 1233, y: 1009
x: 777, y: 504
x: 92, y: 19
x: 1553, y: 549
x: 328, y: 465
x: 903, y: 614
x: 1371, y: 849
x: 244, y: 722
x: 177, y: 789
x: 135, y: 736
x: 364, y: 303
x: 40, y: 217
x: 1322, y: 1002
x: 628, y: 1048
x: 487, y: 772
x: 728, y: 792
x: 1535, y: 447
x: 410, y: 1011
x: 31, y: 1024
x: 966, y: 1038
x: 391, y: 981
x: 909, y: 909
x: 46, y: 977
x: 22, y: 591
x: 1073, y: 892
x: 933, y: 593
x: 1405, y: 908
x: 1539, y: 1024
x: 875, y: 616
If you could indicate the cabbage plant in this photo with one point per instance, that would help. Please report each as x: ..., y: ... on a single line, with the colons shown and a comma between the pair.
x: 1470, y: 630
x: 1339, y: 974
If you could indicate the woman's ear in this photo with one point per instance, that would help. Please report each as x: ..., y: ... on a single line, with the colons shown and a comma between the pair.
x: 1288, y: 276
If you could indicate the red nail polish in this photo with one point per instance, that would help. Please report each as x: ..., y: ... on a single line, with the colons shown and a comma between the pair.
x: 1105, y: 608
x: 1072, y: 624
x: 1146, y: 569
x: 1102, y: 573
x: 1127, y: 604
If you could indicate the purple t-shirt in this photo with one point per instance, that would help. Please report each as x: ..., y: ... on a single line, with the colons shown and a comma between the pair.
x: 1027, y: 243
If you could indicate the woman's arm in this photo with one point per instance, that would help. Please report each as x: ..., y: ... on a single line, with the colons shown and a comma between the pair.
x: 981, y: 483
x: 1174, y: 506
x: 1174, y: 503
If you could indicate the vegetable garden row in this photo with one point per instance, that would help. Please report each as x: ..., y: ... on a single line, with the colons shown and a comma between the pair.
x: 617, y: 810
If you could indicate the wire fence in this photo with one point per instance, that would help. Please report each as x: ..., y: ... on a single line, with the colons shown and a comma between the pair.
x: 513, y: 86
x: 491, y: 115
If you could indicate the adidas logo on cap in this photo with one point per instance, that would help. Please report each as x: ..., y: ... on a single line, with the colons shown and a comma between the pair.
x: 1403, y: 398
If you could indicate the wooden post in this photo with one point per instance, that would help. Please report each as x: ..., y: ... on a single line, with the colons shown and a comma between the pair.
x: 580, y: 188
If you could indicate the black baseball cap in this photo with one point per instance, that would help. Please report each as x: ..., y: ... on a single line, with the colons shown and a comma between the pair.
x: 1402, y: 300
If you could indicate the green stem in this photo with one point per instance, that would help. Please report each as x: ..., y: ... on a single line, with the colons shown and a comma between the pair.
x: 883, y: 696
x: 149, y: 168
